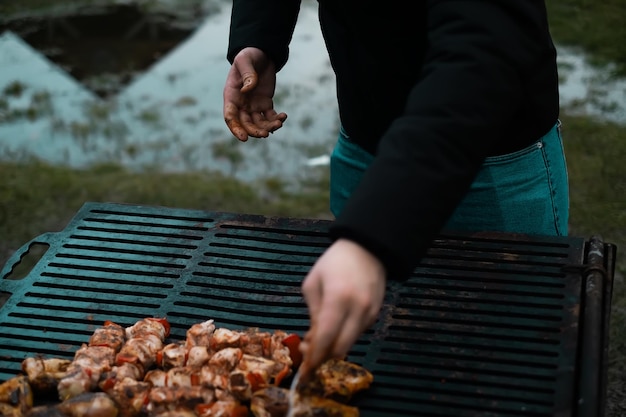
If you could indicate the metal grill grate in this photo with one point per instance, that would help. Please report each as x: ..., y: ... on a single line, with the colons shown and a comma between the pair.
x: 488, y: 325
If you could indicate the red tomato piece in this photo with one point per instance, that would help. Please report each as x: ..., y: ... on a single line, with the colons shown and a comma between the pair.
x: 293, y: 344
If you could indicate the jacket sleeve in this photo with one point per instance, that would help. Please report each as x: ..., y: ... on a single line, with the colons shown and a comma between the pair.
x: 480, y: 54
x: 267, y: 25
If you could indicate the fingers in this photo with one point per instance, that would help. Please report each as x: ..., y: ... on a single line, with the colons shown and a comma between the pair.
x: 330, y: 318
x: 344, y: 291
x: 258, y: 125
x: 243, y: 124
x: 248, y: 96
x: 334, y: 320
x: 313, y: 293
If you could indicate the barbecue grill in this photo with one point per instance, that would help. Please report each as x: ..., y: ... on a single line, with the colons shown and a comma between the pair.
x: 490, y: 325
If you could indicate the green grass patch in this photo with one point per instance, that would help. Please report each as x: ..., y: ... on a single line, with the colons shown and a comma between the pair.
x: 595, y: 26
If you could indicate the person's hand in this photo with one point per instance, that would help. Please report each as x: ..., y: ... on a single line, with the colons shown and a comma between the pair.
x: 248, y: 91
x: 344, y: 292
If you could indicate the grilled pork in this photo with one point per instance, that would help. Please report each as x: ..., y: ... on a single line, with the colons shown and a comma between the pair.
x: 274, y: 402
x: 339, y: 379
x: 91, y: 361
x: 44, y: 374
x: 16, y: 397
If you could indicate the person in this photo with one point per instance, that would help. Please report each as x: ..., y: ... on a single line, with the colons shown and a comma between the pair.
x: 449, y: 122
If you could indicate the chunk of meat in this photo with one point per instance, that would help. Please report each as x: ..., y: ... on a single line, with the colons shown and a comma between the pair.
x: 161, y: 399
x: 197, y: 356
x: 44, y: 374
x: 130, y: 396
x: 84, y: 373
x: 44, y: 411
x: 16, y: 396
x: 159, y: 327
x: 144, y: 340
x: 90, y: 362
x: 226, y: 359
x: 156, y: 377
x: 214, y: 378
x: 222, y: 408
x: 200, y: 334
x: 274, y: 402
x: 339, y: 379
x: 118, y: 373
x: 181, y: 412
x: 110, y: 334
x: 90, y: 404
x: 172, y: 355
x: 225, y: 338
x: 256, y: 343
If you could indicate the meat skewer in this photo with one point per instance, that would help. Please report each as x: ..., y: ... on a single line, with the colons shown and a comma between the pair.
x: 91, y: 360
x: 136, y: 356
x: 144, y: 340
x: 214, y: 372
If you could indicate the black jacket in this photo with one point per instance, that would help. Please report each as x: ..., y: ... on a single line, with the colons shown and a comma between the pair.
x: 431, y: 88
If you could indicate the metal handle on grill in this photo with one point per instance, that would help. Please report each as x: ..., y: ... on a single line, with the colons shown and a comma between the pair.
x: 18, y: 256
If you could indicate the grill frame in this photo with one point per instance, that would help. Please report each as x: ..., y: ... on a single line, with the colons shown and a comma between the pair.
x: 467, y: 362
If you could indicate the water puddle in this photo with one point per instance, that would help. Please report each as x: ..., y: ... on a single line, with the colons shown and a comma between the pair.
x: 142, y: 86
x: 166, y: 113
x: 587, y: 90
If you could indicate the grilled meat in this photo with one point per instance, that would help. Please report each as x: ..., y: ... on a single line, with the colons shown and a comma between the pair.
x: 83, y: 374
x: 200, y: 334
x: 130, y: 396
x: 90, y: 404
x: 16, y: 396
x: 144, y: 341
x: 339, y: 379
x: 44, y: 374
x: 44, y: 411
x: 110, y: 334
x: 274, y: 402
x: 222, y: 408
x: 214, y: 372
x: 91, y: 361
x: 161, y: 399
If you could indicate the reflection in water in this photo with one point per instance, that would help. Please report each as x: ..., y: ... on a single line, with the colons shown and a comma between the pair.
x: 103, y: 46
x: 169, y: 116
x: 143, y: 88
x: 587, y: 90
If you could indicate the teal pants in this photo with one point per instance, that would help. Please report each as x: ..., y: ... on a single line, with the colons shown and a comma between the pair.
x: 522, y: 192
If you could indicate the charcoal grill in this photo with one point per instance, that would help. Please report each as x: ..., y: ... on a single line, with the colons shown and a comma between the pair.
x: 490, y: 325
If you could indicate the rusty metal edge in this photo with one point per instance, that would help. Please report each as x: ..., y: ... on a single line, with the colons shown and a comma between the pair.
x: 597, y: 271
x: 610, y: 262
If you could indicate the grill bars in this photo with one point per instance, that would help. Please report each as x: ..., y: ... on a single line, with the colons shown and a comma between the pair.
x: 488, y: 325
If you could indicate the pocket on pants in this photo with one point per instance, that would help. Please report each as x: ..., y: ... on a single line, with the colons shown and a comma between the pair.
x: 522, y: 192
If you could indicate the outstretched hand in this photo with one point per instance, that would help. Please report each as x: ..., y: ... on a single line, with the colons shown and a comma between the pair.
x: 344, y: 292
x: 248, y: 92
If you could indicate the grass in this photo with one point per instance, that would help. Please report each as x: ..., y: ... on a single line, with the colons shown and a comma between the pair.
x: 595, y: 26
